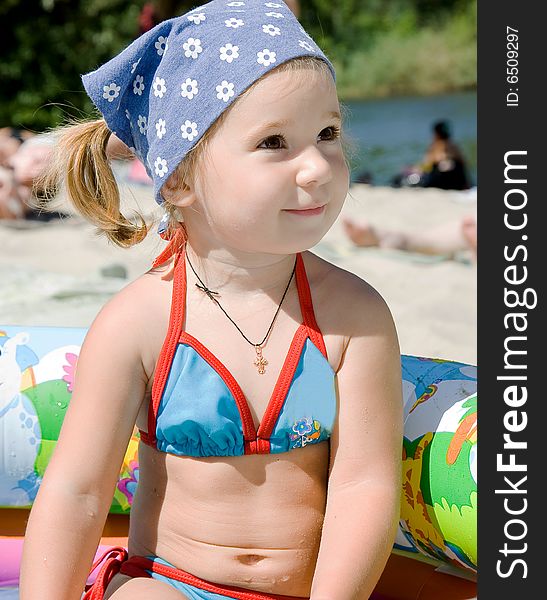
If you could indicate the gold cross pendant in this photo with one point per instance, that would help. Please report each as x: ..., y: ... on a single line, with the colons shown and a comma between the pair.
x: 260, y: 361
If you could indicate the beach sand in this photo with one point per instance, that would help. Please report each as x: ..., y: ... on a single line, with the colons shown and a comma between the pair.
x: 61, y: 273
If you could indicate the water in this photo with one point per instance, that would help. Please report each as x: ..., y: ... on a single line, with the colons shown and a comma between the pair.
x: 392, y: 133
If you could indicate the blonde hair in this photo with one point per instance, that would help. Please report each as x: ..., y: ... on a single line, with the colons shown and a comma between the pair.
x: 81, y: 164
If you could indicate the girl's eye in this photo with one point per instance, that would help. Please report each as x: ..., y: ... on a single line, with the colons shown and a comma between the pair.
x: 273, y: 142
x: 278, y: 142
x: 330, y: 133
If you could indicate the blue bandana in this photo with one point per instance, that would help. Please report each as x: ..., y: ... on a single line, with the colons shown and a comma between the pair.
x: 162, y: 92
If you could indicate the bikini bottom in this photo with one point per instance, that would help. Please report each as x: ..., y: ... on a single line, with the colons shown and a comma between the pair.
x: 116, y: 560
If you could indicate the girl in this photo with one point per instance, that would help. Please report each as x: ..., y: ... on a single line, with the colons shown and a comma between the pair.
x: 265, y: 382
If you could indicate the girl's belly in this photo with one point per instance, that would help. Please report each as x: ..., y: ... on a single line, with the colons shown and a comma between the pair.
x: 250, y: 521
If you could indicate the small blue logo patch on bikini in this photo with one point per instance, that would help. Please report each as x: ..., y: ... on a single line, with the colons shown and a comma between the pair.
x: 306, y: 431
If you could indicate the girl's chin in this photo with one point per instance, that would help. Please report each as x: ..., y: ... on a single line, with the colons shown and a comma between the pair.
x: 294, y: 234
x: 301, y: 243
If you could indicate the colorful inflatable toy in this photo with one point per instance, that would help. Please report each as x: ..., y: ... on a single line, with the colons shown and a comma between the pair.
x: 438, y: 528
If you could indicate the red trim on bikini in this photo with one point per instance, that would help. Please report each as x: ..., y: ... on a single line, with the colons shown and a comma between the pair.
x: 173, y: 247
x: 306, y: 306
x: 283, y: 384
x: 138, y: 564
x: 229, y: 380
x: 111, y: 562
x: 256, y: 441
x: 116, y: 561
x: 174, y: 330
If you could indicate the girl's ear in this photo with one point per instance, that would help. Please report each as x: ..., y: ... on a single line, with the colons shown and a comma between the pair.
x: 180, y: 196
x: 177, y: 192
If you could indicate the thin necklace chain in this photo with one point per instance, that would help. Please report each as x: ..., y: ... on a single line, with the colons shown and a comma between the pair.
x: 201, y: 286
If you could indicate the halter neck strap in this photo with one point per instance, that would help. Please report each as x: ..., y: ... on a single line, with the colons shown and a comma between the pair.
x: 177, y: 247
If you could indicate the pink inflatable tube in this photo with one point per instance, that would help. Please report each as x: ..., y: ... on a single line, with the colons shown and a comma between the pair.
x: 11, y: 551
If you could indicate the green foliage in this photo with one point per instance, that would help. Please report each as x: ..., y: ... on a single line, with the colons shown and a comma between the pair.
x: 379, y: 47
x: 46, y: 48
x: 431, y: 59
x: 343, y: 27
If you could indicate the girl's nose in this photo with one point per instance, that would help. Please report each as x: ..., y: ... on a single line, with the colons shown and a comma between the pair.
x: 313, y: 168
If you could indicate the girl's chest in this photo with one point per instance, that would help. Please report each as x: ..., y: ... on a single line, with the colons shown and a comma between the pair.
x: 259, y: 378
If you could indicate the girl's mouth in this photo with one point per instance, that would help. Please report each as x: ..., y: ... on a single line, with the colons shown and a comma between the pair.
x: 307, y: 212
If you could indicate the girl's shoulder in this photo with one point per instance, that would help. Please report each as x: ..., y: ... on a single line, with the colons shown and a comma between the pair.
x: 335, y: 284
x: 139, y: 313
x: 143, y: 298
x: 342, y: 300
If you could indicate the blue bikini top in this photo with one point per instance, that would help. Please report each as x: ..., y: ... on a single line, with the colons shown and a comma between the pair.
x: 198, y: 408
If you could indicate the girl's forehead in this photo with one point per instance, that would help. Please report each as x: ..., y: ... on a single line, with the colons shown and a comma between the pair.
x: 286, y: 92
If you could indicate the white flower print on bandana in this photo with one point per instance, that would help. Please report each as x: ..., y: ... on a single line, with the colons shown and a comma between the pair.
x: 189, y: 130
x: 229, y: 53
x: 233, y: 22
x: 306, y: 46
x: 189, y: 88
x: 180, y: 76
x: 197, y: 18
x: 192, y: 47
x: 160, y: 166
x: 161, y: 45
x: 271, y: 29
x: 159, y: 87
x: 160, y: 128
x: 142, y: 124
x: 225, y: 91
x: 138, y: 85
x: 265, y: 57
x: 111, y: 91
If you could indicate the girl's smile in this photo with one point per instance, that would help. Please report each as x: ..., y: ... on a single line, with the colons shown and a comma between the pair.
x: 306, y: 212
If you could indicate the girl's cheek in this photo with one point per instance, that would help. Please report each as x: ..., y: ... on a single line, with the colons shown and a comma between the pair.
x: 342, y: 171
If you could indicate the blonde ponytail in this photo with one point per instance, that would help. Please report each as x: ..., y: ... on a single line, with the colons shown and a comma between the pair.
x: 80, y: 164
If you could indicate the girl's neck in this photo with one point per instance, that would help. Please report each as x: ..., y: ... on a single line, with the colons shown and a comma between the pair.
x: 228, y: 270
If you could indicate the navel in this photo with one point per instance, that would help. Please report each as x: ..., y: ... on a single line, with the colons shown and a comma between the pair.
x: 250, y: 559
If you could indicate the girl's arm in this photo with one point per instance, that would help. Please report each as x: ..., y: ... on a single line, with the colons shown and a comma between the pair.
x: 70, y: 510
x: 365, y: 469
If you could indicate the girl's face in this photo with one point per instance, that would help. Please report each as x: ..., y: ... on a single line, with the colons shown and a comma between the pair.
x: 274, y: 177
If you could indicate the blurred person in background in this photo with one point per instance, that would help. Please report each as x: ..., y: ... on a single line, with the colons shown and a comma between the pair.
x: 443, y: 165
x: 448, y: 239
x: 10, y: 140
x: 10, y: 205
x: 20, y: 176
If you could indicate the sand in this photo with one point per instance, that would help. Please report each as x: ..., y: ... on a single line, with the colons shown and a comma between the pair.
x: 61, y: 273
